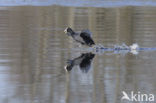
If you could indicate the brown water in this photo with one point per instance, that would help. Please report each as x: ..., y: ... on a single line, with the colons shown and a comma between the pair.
x: 34, y: 51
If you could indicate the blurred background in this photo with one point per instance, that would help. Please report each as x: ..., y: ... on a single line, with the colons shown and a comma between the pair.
x: 34, y: 50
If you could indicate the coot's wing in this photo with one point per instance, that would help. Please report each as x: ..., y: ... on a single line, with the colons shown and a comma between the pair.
x: 87, y: 39
x: 87, y: 32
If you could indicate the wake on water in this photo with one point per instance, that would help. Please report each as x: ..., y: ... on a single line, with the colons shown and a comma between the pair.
x: 117, y: 49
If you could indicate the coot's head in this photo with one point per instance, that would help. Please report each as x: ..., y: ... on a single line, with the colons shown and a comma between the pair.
x: 69, y: 31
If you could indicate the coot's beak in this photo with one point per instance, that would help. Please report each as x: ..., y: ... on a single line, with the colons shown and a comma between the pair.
x: 65, y: 31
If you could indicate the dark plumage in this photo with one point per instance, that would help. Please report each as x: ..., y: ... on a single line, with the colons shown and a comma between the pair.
x: 87, y: 39
x: 83, y: 61
x: 83, y: 37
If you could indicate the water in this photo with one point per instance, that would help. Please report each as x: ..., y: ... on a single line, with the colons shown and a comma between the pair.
x: 34, y: 52
x: 79, y: 3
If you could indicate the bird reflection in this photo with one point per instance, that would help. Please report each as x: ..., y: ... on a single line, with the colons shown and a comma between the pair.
x: 83, y: 61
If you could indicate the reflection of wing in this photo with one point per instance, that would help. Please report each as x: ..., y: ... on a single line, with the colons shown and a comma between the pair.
x: 86, y: 62
x: 125, y: 96
x: 87, y: 32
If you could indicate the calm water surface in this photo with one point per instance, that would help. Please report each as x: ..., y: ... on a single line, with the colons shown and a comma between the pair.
x: 34, y: 51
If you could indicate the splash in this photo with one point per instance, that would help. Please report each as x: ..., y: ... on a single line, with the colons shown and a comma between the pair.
x: 122, y: 49
x: 117, y: 49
